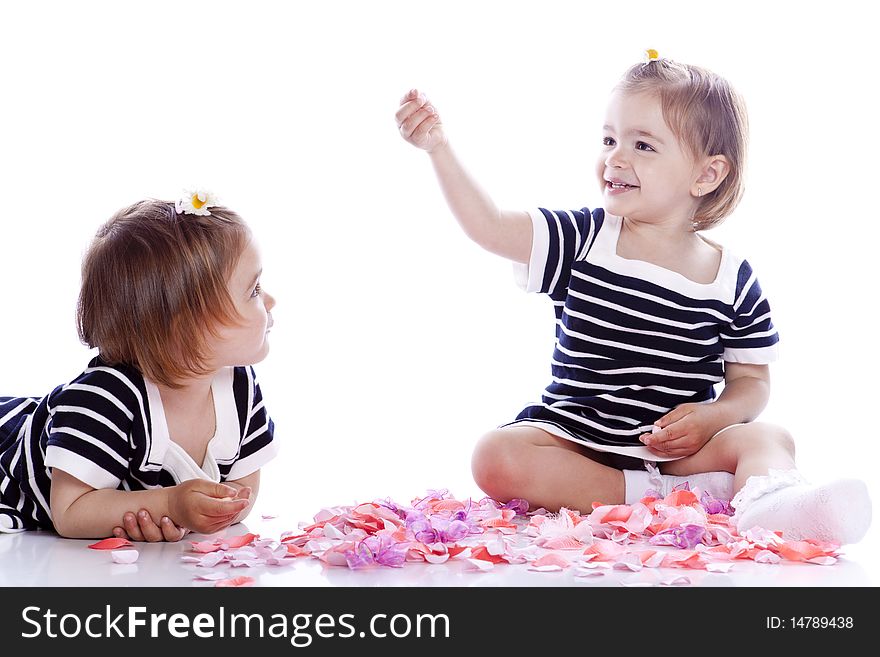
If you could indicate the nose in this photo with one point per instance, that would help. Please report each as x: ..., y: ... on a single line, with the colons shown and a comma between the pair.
x: 614, y: 157
x: 268, y: 300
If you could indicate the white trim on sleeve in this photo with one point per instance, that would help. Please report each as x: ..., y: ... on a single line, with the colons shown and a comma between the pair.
x: 756, y: 356
x: 244, y: 467
x: 530, y: 277
x: 81, y: 468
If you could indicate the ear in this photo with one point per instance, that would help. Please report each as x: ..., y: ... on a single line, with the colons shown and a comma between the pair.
x: 711, y: 173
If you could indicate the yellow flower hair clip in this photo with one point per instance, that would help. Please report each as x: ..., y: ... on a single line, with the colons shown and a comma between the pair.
x: 651, y: 55
x: 198, y: 201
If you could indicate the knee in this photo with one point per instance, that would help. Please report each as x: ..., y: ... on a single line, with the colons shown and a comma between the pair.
x: 783, y: 439
x: 778, y: 437
x: 495, y: 466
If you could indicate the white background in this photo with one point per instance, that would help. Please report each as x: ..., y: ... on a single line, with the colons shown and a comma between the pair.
x: 397, y: 342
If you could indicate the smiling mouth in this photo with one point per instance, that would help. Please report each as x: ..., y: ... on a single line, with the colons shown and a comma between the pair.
x: 619, y: 185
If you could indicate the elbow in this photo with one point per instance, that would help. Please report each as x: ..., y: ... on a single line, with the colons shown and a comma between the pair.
x: 62, y: 528
x: 65, y: 528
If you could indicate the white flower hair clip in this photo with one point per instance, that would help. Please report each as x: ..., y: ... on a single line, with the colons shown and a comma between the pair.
x: 197, y: 201
x: 651, y: 55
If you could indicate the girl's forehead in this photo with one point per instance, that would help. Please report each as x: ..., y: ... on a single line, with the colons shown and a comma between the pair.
x: 248, y: 263
x: 635, y: 109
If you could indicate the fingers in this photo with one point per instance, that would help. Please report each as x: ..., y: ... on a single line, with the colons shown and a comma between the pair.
x: 141, y: 527
x: 212, y: 488
x: 409, y: 95
x: 675, y: 415
x: 660, y: 437
x: 420, y: 132
x: 221, y: 508
x: 131, y: 527
x: 171, y: 532
x: 419, y: 123
x: 150, y: 531
x: 411, y: 106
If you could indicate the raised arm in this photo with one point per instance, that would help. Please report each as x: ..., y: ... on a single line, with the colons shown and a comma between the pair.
x: 505, y: 233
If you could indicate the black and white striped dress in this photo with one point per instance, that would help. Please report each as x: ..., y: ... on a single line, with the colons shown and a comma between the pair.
x: 633, y: 340
x: 107, y: 428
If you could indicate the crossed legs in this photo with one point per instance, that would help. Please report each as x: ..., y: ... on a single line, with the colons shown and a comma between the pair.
x: 529, y: 463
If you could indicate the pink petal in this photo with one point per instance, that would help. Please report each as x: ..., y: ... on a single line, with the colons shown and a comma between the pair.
x: 236, y: 581
x: 628, y: 562
x: 552, y: 560
x: 212, y: 575
x: 205, y: 546
x: 823, y: 561
x: 561, y: 543
x: 719, y: 567
x: 681, y: 580
x: 237, y: 541
x: 766, y: 556
x: 549, y: 568
x: 437, y: 558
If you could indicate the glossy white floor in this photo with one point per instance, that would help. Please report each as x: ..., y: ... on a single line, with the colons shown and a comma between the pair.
x: 44, y: 559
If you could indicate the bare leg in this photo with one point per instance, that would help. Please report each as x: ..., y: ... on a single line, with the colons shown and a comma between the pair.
x: 528, y: 463
x: 745, y: 450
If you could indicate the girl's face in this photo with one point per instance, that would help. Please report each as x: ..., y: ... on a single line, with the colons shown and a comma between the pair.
x: 246, y: 343
x: 645, y: 172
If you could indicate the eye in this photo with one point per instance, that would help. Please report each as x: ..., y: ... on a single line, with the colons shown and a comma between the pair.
x: 257, y: 291
x: 642, y: 146
x: 608, y: 141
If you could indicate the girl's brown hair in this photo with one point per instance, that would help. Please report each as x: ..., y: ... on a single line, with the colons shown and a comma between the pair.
x: 154, y: 288
x: 707, y: 114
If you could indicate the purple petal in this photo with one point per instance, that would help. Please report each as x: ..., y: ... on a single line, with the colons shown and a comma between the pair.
x: 683, y: 537
x: 360, y: 556
x: 714, y: 505
x: 456, y: 531
x: 519, y: 505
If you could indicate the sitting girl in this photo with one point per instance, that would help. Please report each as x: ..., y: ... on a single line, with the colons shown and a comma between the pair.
x: 650, y: 317
x: 168, y: 420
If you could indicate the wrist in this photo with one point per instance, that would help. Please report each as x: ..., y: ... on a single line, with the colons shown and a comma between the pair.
x: 440, y: 149
x: 725, y: 414
x: 168, y: 503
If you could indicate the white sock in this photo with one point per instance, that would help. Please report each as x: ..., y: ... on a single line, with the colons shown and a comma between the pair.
x: 637, y: 482
x: 838, y: 512
x: 718, y: 484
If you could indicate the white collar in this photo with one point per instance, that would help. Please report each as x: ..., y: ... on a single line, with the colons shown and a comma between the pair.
x: 223, y: 446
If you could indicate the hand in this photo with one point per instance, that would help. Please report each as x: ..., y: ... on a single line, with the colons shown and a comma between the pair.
x: 141, y: 527
x: 684, y: 430
x: 419, y: 123
x: 206, y: 507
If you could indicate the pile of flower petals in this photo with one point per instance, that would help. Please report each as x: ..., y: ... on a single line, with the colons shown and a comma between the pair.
x: 237, y: 551
x: 681, y: 530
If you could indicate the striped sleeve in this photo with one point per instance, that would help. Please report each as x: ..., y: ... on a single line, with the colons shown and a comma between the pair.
x: 751, y: 337
x: 88, y: 434
x: 258, y: 445
x: 558, y: 239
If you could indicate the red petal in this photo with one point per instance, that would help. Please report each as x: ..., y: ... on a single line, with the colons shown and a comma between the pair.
x: 111, y: 544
